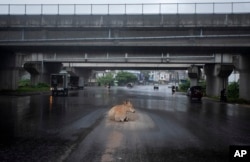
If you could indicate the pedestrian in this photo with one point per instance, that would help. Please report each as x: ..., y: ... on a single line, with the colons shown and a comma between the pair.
x: 173, y: 90
x: 223, y: 96
x: 109, y: 85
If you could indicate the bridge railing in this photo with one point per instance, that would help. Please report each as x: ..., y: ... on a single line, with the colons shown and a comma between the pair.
x: 112, y: 9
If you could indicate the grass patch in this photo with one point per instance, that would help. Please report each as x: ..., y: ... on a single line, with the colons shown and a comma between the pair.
x: 32, y: 89
x: 25, y: 86
x: 231, y: 100
x: 214, y: 97
x: 238, y: 101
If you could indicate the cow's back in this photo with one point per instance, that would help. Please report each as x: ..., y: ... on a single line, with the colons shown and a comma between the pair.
x: 111, y: 113
x: 117, y: 113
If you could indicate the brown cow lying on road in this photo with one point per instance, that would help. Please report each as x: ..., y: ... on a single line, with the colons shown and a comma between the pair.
x: 119, y: 112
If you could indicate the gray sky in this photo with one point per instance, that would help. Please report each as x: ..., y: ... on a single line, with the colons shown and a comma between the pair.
x: 108, y: 1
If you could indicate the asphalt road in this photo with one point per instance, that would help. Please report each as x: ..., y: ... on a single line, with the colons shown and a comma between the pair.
x: 165, y: 127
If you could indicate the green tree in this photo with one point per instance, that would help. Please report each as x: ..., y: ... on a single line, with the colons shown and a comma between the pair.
x: 125, y: 77
x: 233, y: 90
x: 184, y: 86
x: 105, y: 80
x: 203, y: 85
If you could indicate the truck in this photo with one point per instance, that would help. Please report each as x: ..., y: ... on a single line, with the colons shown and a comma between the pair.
x: 81, y: 83
x: 76, y: 82
x: 73, y: 82
x: 59, y: 84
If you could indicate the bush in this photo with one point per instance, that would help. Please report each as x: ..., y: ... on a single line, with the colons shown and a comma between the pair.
x: 25, y: 86
x: 41, y: 85
x: 105, y: 80
x: 203, y: 86
x: 24, y: 83
x: 184, y: 86
x: 125, y: 77
x: 233, y: 90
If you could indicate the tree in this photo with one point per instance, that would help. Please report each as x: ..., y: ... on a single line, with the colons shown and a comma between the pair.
x: 233, y: 90
x: 105, y: 80
x: 184, y: 85
x: 125, y: 77
x: 203, y: 85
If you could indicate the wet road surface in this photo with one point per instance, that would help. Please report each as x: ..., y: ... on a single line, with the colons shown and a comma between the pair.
x: 165, y: 127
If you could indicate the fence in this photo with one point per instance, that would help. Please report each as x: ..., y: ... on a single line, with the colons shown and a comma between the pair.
x: 106, y: 9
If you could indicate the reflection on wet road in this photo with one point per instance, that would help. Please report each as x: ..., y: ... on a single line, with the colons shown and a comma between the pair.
x: 165, y: 127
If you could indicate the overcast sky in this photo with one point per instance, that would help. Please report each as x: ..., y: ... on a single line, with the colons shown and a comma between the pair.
x: 108, y: 1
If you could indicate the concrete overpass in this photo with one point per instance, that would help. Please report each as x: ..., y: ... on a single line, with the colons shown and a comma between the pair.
x: 40, y: 43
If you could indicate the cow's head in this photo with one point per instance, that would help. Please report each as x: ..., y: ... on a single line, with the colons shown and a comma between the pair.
x: 129, y: 106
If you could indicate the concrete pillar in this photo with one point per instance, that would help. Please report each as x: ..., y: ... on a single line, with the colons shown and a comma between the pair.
x: 10, y: 65
x: 34, y: 69
x: 244, y: 69
x: 50, y: 68
x: 40, y: 71
x: 194, y: 74
x: 216, y: 78
x: 9, y: 78
x: 83, y: 72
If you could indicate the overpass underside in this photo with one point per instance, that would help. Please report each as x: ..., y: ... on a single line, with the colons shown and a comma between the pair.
x: 135, y: 59
x: 174, y: 41
x: 129, y: 66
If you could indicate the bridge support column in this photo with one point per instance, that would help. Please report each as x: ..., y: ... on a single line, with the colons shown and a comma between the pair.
x: 194, y: 74
x: 9, y: 78
x: 84, y: 73
x: 40, y: 72
x: 10, y: 65
x: 244, y: 69
x: 216, y: 78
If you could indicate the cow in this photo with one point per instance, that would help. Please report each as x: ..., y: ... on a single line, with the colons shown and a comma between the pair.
x: 119, y: 112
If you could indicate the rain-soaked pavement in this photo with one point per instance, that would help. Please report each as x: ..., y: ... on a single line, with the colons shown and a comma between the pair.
x: 76, y: 128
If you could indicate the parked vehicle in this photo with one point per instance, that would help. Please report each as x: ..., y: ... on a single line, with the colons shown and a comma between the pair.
x: 130, y: 85
x: 59, y: 84
x: 195, y: 92
x: 81, y: 83
x: 73, y: 82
